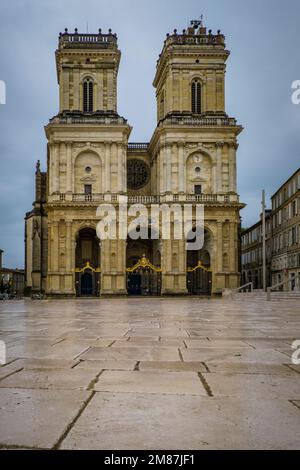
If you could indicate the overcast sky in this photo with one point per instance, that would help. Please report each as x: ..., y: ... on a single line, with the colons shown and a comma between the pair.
x: 263, y: 36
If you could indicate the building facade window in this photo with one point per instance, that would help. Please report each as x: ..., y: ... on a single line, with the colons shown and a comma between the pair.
x: 88, y: 91
x: 87, y: 189
x: 196, y: 96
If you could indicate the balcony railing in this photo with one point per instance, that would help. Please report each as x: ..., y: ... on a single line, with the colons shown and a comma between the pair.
x: 208, y: 39
x: 88, y: 197
x: 88, y: 119
x: 146, y: 199
x: 75, y: 40
x: 137, y: 146
x: 199, y: 121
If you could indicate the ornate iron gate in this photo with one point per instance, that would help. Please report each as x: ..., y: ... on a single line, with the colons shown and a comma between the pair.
x: 199, y: 280
x: 144, y: 278
x: 87, y: 281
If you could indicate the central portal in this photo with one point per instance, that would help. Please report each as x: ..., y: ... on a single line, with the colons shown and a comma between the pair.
x: 143, y: 267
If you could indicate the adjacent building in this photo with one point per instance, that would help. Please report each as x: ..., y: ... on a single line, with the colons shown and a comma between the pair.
x: 286, y: 232
x: 11, y: 280
x: 251, y: 244
x: 282, y: 240
x: 190, y: 159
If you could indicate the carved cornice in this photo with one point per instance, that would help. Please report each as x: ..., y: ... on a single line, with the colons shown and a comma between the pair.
x: 233, y: 144
x: 220, y: 144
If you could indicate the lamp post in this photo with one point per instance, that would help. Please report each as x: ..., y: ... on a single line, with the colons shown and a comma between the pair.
x: 263, y: 203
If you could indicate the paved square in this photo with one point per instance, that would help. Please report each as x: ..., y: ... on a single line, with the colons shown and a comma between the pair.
x: 149, y: 373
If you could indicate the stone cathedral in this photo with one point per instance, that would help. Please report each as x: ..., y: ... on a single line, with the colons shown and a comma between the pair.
x: 191, y: 158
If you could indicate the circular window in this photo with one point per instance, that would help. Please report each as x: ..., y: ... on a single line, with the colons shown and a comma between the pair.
x: 197, y: 170
x: 138, y: 173
x: 88, y: 169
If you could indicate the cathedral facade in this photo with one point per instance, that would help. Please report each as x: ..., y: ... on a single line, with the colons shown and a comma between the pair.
x: 191, y: 159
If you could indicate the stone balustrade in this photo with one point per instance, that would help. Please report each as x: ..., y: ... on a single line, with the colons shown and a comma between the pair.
x: 199, y: 121
x: 146, y: 199
x: 77, y: 40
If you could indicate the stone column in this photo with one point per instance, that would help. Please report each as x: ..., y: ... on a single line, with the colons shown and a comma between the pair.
x: 49, y: 247
x: 169, y: 255
x: 162, y: 179
x: 219, y: 263
x: 107, y: 168
x: 174, y: 169
x: 114, y: 167
x: 204, y: 95
x: 54, y: 158
x: 73, y: 252
x: 214, y: 177
x: 55, y: 254
x: 160, y: 172
x: 62, y: 165
x: 69, y: 245
x: 69, y: 168
x: 233, y: 146
x: 219, y: 175
x: 181, y: 168
x: 100, y: 91
x: 64, y: 89
x: 110, y: 91
x: 233, y: 248
x: 168, y: 96
x: 120, y: 187
x: 124, y: 166
x: 180, y: 91
x: 169, y: 169
x: 76, y: 86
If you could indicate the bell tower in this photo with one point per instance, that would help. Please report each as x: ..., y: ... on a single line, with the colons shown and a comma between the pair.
x: 86, y: 166
x: 190, y: 73
x: 193, y: 154
x: 87, y: 68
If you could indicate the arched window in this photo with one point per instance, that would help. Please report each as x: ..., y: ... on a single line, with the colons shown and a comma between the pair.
x: 196, y: 96
x: 88, y: 95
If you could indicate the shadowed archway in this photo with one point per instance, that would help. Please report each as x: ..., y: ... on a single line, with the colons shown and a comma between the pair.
x: 199, y: 275
x: 87, y: 257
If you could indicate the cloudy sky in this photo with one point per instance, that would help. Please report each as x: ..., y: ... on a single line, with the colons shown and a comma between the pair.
x: 263, y: 36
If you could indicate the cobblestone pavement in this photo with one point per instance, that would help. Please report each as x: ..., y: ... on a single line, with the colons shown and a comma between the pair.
x: 149, y: 374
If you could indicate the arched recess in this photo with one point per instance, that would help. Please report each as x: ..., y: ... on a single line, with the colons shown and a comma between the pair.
x: 143, y: 261
x: 200, y: 173
x: 87, y: 262
x: 88, y: 170
x: 199, y: 264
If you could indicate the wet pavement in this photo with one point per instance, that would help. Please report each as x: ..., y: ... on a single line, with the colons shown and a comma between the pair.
x: 149, y: 374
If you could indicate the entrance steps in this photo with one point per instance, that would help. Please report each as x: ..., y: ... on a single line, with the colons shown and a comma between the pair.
x: 259, y: 294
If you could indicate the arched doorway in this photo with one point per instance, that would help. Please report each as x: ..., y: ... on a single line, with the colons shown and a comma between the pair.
x: 199, y: 275
x: 86, y: 283
x: 143, y: 267
x: 87, y: 263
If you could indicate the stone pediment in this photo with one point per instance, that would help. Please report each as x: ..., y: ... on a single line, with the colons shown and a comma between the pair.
x: 198, y: 179
x: 88, y: 179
